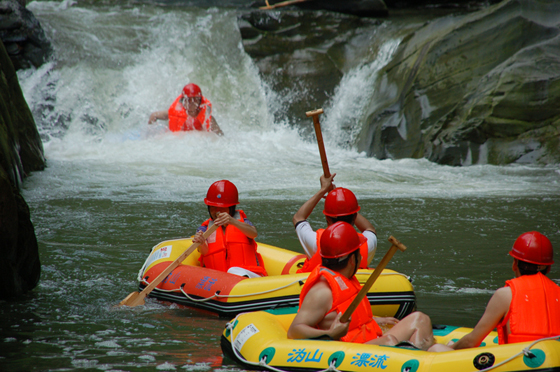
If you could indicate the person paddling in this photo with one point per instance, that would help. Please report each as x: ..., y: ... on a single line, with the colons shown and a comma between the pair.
x: 329, y: 291
x: 232, y: 247
x: 340, y: 205
x: 528, y: 307
x: 190, y: 111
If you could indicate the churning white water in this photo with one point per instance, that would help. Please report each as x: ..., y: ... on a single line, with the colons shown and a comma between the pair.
x: 115, y: 66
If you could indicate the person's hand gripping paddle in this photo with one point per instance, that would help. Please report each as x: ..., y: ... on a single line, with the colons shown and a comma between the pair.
x: 373, y: 277
x: 137, y: 298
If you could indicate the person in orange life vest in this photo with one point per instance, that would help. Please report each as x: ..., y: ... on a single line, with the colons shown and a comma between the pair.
x: 340, y: 205
x: 190, y: 111
x: 329, y: 291
x: 232, y: 247
x: 528, y: 307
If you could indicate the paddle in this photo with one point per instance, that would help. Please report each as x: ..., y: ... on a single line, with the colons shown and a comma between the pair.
x: 319, y: 135
x: 283, y: 3
x: 137, y: 298
x: 373, y: 277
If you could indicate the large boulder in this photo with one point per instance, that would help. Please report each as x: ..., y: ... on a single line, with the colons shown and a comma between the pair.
x: 21, y: 152
x: 481, y: 89
x: 474, y: 86
x: 24, y: 39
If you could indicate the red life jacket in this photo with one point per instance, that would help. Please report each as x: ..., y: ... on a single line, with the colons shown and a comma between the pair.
x: 313, y: 262
x: 180, y: 121
x: 232, y: 249
x: 362, y: 325
x: 534, y: 311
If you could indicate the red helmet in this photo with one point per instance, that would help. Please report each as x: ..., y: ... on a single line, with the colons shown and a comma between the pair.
x: 222, y: 194
x: 533, y: 247
x: 340, y: 202
x: 192, y: 90
x: 340, y: 239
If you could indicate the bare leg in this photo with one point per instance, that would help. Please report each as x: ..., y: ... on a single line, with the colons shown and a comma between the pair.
x: 416, y: 328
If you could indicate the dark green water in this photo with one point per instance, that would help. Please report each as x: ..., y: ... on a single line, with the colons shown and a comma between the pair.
x: 91, y: 252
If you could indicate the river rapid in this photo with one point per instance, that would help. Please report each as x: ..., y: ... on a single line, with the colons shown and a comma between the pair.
x: 114, y: 187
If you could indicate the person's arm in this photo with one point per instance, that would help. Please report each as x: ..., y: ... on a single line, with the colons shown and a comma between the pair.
x: 307, y: 237
x: 372, y: 244
x: 158, y: 115
x: 363, y: 224
x: 369, y: 232
x: 214, y: 127
x: 497, y: 308
x: 312, y: 312
x: 305, y: 210
x: 224, y: 219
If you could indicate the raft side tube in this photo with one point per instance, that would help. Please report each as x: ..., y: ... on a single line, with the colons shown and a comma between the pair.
x: 262, y: 337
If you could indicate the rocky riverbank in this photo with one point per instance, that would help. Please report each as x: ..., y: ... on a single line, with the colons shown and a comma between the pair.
x: 476, y: 87
x: 20, y: 153
x: 23, y: 45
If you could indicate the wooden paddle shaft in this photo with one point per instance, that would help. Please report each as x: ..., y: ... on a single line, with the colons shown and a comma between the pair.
x: 373, y: 277
x: 315, y: 114
x: 283, y: 3
x: 134, y: 300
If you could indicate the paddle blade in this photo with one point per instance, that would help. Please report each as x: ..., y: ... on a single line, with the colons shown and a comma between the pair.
x: 133, y: 299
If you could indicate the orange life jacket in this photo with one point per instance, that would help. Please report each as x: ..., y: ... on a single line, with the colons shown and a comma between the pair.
x: 315, y: 260
x: 180, y: 121
x: 362, y: 325
x: 534, y: 311
x: 232, y: 248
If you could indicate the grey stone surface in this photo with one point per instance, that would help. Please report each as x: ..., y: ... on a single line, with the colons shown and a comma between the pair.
x: 463, y: 88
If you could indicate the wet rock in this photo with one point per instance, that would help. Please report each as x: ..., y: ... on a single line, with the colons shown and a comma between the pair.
x: 361, y: 8
x: 23, y: 37
x: 485, y: 89
x: 304, y: 49
x: 20, y: 268
x: 21, y: 152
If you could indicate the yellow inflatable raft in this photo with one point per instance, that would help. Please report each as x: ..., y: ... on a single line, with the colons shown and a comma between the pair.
x: 258, y: 341
x: 228, y: 295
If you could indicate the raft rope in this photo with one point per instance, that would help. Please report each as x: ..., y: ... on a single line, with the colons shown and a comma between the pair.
x: 262, y: 362
x: 143, y: 268
x: 526, y: 352
x: 218, y: 295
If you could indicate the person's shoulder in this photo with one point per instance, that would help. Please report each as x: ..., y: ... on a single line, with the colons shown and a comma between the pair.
x: 502, y: 295
x: 503, y: 291
x: 321, y: 288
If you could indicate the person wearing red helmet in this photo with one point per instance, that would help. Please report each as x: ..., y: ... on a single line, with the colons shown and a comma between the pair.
x: 528, y: 307
x: 340, y: 205
x: 330, y: 289
x: 232, y: 248
x: 190, y: 111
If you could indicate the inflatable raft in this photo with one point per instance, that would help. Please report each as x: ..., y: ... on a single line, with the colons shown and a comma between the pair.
x: 258, y: 341
x: 228, y: 295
